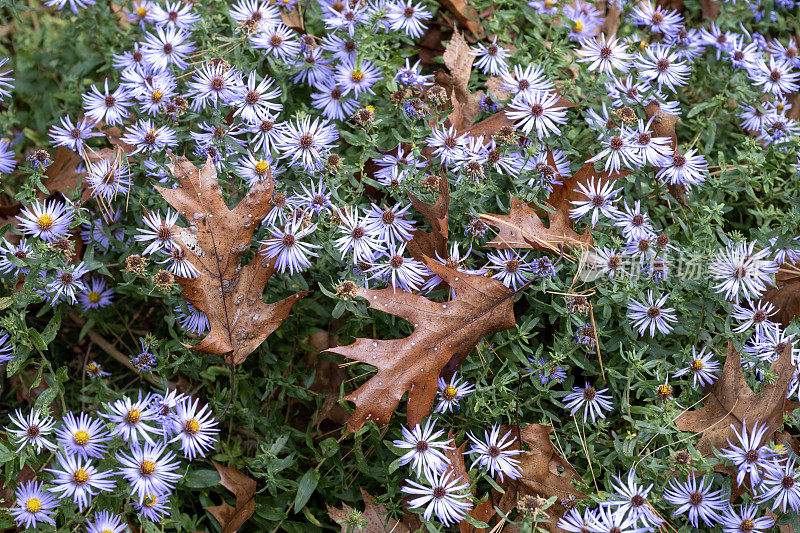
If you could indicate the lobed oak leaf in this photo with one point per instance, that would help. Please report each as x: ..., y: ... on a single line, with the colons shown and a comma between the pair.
x: 786, y: 294
x: 442, y: 331
x: 522, y: 228
x: 374, y: 519
x: 731, y: 401
x: 544, y: 472
x: 215, y: 241
x: 244, y: 488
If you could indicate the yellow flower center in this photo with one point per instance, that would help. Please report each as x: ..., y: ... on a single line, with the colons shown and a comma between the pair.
x: 33, y: 505
x: 150, y: 500
x: 80, y: 476
x: 370, y: 108
x: 664, y: 391
x: 578, y: 25
x: 696, y: 365
x: 747, y: 525
x: 94, y: 297
x: 450, y: 393
x: 106, y: 531
x: 146, y: 468
x: 91, y: 367
x: 779, y: 108
x: 45, y: 221
x: 141, y: 12
x: 642, y: 45
x: 261, y: 167
x: 157, y: 96
x: 81, y: 437
x: 191, y: 427
x: 357, y: 76
x: 133, y: 416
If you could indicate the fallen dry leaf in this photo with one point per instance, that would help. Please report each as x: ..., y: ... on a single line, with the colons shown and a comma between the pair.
x: 428, y: 243
x: 375, y: 517
x: 664, y: 126
x: 544, y: 473
x: 215, y: 241
x: 493, y: 86
x: 463, y: 13
x: 731, y: 401
x: 522, y: 228
x: 482, y: 306
x: 458, y: 59
x: 482, y: 512
x: 244, y: 488
x: 786, y: 294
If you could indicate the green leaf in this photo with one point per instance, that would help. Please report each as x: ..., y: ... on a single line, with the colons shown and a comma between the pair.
x: 6, y: 455
x: 306, y: 487
x: 201, y: 479
x: 45, y: 399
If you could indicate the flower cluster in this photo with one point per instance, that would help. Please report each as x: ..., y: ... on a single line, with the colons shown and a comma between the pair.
x: 134, y: 434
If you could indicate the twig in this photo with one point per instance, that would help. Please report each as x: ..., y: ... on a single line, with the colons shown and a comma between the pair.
x: 111, y: 350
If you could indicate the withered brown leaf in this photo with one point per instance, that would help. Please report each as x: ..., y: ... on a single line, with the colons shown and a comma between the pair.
x: 430, y: 242
x: 215, y: 241
x: 376, y: 519
x: 731, y: 401
x: 544, y: 472
x: 244, y: 488
x: 482, y: 306
x: 522, y: 228
x: 458, y: 59
x: 463, y: 13
x: 786, y: 294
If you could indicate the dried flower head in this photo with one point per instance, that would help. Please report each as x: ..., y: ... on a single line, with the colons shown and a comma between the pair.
x: 578, y: 303
x: 135, y: 264
x: 397, y: 97
x: 531, y: 504
x: 164, y: 280
x: 506, y: 135
x: 683, y: 457
x: 333, y: 163
x: 437, y: 94
x: 364, y: 117
x: 64, y: 246
x: 346, y: 290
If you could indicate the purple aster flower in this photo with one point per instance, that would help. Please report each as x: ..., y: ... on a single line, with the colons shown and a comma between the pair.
x: 702, y: 367
x: 286, y: 244
x: 697, y: 499
x: 445, y: 498
x: 651, y: 314
x: 493, y: 454
x: 600, y: 200
x: 589, y: 400
x: 425, y: 452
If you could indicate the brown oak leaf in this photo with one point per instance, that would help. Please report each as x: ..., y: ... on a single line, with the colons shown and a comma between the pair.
x: 458, y: 59
x: 544, y: 472
x: 244, y: 488
x: 522, y: 228
x: 214, y: 243
x: 482, y: 306
x: 430, y: 242
x: 374, y: 519
x: 786, y: 294
x: 731, y: 401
